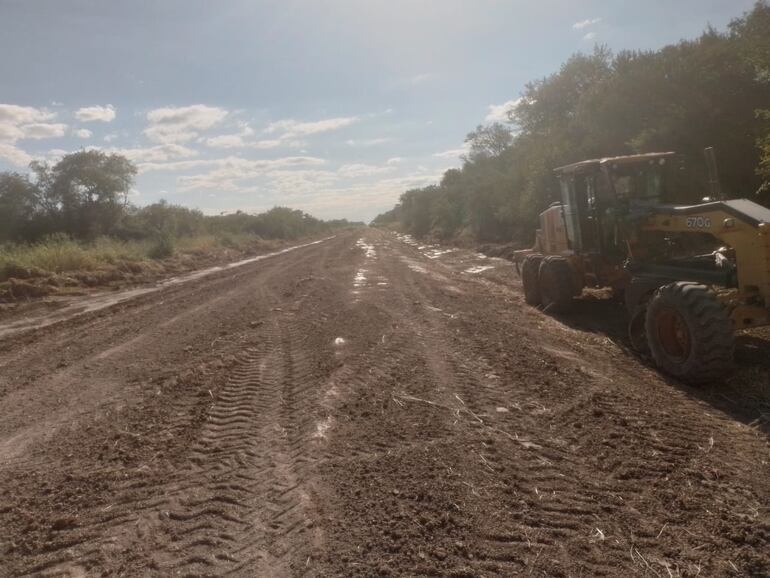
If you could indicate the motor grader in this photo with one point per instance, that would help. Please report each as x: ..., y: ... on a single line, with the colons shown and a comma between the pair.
x: 690, y: 274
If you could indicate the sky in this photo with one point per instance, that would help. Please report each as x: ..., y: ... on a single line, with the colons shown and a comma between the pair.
x: 335, y: 107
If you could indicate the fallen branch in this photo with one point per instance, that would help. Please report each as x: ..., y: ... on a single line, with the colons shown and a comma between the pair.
x: 399, y: 398
x: 456, y: 410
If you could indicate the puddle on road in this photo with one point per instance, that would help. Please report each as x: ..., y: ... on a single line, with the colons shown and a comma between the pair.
x: 81, y: 305
x: 434, y: 251
x: 368, y: 249
x: 478, y: 269
x: 360, y: 279
x: 408, y: 239
x: 414, y: 265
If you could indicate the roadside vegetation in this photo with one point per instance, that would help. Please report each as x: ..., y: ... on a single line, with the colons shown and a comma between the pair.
x: 712, y: 91
x: 71, y: 224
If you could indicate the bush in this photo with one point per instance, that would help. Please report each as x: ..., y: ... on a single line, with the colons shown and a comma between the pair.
x: 162, y: 248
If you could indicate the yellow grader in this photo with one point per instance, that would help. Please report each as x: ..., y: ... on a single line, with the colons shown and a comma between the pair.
x: 690, y: 275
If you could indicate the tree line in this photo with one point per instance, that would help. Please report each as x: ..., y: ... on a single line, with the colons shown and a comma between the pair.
x: 711, y: 91
x: 85, y: 195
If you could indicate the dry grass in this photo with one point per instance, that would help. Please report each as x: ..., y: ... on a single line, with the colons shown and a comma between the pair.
x: 750, y: 384
x: 61, y: 255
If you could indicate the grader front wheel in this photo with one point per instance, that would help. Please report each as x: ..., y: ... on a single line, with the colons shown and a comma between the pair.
x: 689, y: 333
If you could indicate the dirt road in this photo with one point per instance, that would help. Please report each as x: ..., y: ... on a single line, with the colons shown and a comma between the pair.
x: 363, y: 407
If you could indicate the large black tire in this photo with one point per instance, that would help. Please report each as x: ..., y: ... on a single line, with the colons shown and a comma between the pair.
x: 529, y: 279
x: 556, y: 284
x: 689, y: 332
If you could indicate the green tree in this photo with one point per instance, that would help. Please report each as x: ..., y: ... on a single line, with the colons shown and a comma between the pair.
x: 87, y: 190
x: 710, y: 91
x: 752, y: 34
x: 488, y: 141
x: 19, y: 206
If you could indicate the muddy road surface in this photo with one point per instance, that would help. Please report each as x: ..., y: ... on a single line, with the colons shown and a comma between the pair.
x: 364, y: 406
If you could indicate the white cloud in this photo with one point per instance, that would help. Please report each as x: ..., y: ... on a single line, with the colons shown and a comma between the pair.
x: 292, y: 183
x: 96, y: 113
x: 358, y: 170
x: 41, y: 130
x: 54, y: 155
x: 421, y: 78
x: 452, y: 153
x: 182, y: 124
x: 586, y: 23
x: 273, y: 143
x: 499, y: 112
x: 10, y: 132
x: 394, y: 161
x: 589, y: 36
x: 26, y: 122
x: 155, y: 154
x: 110, y: 137
x: 226, y: 141
x: 231, y: 141
x: 287, y: 133
x: 167, y: 134
x: 197, y: 116
x: 14, y: 155
x: 178, y: 165
x: 323, y: 194
x: 226, y: 173
x: 292, y: 129
x: 83, y: 133
x: 242, y: 140
x: 17, y: 115
x: 371, y: 142
x: 357, y: 199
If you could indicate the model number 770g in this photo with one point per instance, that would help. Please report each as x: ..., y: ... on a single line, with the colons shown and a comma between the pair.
x: 699, y: 222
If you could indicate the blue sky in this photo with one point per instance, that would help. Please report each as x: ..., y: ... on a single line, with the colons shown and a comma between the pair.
x: 334, y: 107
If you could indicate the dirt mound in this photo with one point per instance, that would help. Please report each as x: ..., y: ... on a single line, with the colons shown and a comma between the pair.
x: 16, y: 271
x: 19, y: 289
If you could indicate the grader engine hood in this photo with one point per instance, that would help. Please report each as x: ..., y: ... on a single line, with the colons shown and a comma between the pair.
x: 741, y: 224
x: 706, y: 217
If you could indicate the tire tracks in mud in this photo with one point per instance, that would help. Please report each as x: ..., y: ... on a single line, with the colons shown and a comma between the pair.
x: 241, y: 505
x: 553, y: 501
x: 237, y: 501
x: 250, y: 471
x: 387, y: 416
x: 585, y: 481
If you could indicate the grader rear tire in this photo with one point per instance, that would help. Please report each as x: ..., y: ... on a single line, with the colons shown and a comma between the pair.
x: 529, y: 279
x: 556, y: 284
x: 689, y: 332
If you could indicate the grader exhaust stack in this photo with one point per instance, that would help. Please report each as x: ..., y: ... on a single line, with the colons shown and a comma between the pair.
x: 711, y: 164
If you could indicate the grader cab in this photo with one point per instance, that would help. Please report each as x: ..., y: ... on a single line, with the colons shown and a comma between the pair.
x: 690, y: 275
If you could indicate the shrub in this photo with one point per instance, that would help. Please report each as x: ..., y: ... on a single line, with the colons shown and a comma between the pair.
x: 162, y: 248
